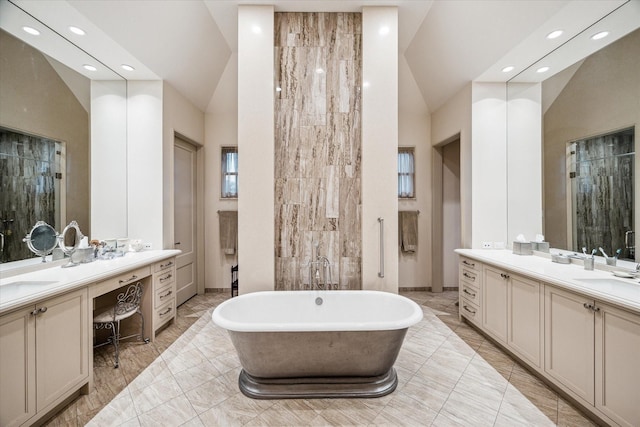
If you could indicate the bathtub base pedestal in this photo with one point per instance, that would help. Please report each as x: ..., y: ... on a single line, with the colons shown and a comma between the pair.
x: 317, y: 387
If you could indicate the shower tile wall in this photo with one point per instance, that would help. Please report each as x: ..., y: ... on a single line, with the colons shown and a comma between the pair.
x: 603, y: 192
x: 318, y: 145
x: 27, y: 195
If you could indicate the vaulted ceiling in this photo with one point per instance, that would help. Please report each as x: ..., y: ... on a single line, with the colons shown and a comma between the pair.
x: 443, y: 44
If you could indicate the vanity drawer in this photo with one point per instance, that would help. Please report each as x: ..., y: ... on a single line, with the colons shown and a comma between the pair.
x: 470, y: 293
x: 165, y: 264
x: 164, y: 295
x: 470, y: 276
x: 470, y: 264
x: 124, y: 279
x: 470, y: 311
x: 164, y: 278
x: 164, y: 313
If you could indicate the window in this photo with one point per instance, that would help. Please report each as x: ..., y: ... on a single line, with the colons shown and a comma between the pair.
x: 406, y: 184
x: 229, y: 172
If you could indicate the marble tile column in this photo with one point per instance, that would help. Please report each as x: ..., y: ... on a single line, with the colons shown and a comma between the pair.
x: 318, y: 67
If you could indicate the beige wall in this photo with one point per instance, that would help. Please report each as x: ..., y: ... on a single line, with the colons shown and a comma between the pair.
x: 221, y: 130
x: 602, y: 96
x: 414, y: 269
x: 36, y: 101
x: 452, y: 119
x: 178, y: 116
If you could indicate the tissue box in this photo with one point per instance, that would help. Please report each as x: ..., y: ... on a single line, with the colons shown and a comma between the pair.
x: 522, y: 248
x: 540, y: 246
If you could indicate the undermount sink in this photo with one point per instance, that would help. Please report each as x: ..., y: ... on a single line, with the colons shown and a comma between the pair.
x: 30, y: 284
x: 607, y: 282
x: 15, y: 288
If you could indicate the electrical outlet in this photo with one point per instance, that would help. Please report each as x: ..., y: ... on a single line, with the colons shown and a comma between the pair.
x: 148, y: 246
x: 487, y: 245
x: 498, y: 245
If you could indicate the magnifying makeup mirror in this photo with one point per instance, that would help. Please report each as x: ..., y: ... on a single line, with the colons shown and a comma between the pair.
x: 42, y: 239
x: 69, y: 240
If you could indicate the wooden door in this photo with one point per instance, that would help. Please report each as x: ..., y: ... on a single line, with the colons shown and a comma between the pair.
x: 184, y: 220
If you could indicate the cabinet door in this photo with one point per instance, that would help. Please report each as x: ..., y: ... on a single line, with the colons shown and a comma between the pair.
x: 525, y: 320
x: 17, y: 367
x: 617, y: 336
x: 569, y: 341
x: 494, y: 302
x: 62, y: 358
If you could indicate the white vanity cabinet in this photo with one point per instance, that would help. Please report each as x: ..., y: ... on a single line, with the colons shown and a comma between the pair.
x: 617, y: 373
x: 470, y: 274
x: 585, y: 339
x: 569, y: 341
x: 494, y: 303
x: 512, y: 312
x: 44, y: 356
x: 164, y: 285
x: 592, y: 350
x: 525, y: 319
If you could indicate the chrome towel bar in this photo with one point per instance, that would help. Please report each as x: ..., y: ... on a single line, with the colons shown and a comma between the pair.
x: 381, y: 270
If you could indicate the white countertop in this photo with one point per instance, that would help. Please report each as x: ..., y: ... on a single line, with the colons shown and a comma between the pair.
x: 29, y: 288
x: 624, y: 293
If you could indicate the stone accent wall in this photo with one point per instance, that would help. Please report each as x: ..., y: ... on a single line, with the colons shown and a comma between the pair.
x: 318, y: 72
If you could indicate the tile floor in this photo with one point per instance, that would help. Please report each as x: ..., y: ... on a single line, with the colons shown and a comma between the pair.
x: 449, y: 375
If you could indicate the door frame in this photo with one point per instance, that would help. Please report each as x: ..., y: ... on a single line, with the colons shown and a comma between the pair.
x: 437, y: 235
x: 199, y: 209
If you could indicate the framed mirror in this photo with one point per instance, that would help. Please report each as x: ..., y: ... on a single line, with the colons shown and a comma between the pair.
x: 52, y: 115
x: 587, y: 114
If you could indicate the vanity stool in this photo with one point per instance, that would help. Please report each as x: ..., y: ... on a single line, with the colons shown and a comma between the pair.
x: 128, y: 304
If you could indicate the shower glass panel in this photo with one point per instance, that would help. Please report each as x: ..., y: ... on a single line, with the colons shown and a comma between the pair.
x: 31, y: 190
x: 602, y: 192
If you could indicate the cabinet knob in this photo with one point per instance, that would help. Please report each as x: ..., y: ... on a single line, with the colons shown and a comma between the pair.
x: 39, y: 311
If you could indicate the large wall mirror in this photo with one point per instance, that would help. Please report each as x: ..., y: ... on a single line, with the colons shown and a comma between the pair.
x: 589, y: 113
x: 48, y: 108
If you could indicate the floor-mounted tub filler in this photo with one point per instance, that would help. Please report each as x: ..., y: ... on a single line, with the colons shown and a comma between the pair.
x: 308, y: 344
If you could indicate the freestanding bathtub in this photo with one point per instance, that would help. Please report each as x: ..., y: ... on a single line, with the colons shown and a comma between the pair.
x: 302, y: 344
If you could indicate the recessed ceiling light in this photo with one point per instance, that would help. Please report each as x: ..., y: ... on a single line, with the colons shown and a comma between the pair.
x: 600, y: 35
x: 278, y: 89
x: 384, y: 30
x: 89, y: 67
x: 319, y: 70
x: 76, y: 30
x: 31, y: 31
x: 554, y: 34
x: 542, y: 70
x: 507, y: 69
x: 366, y: 84
x: 256, y: 29
x: 127, y: 67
